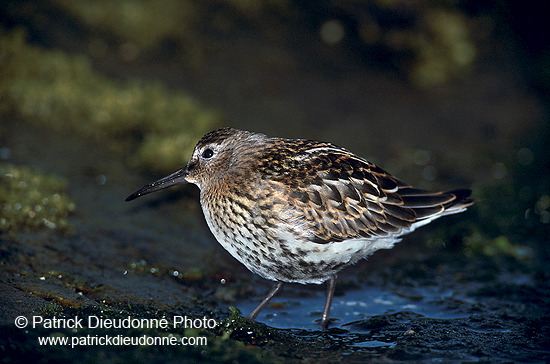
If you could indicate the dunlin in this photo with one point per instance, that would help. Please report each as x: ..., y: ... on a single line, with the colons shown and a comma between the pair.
x: 300, y: 211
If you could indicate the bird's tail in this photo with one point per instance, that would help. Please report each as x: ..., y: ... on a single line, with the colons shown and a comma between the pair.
x: 429, y: 205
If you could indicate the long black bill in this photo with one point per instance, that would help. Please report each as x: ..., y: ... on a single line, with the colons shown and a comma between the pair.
x: 175, y: 178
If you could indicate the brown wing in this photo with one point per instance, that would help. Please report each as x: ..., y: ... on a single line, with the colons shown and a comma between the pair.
x: 344, y: 196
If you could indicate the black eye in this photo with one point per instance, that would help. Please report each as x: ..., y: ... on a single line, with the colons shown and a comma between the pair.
x: 207, y: 153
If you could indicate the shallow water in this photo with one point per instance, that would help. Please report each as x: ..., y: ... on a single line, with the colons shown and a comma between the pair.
x: 304, y: 312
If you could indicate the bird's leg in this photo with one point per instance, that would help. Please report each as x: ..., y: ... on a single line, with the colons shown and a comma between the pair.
x: 276, y: 288
x: 331, y: 285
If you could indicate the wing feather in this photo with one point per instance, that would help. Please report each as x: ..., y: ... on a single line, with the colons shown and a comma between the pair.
x: 342, y: 196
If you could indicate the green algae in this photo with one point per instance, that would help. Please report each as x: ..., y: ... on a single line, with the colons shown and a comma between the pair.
x: 136, y: 29
x: 442, y: 45
x: 478, y: 243
x: 72, y: 282
x: 252, y: 332
x: 190, y: 274
x: 143, y: 23
x: 31, y: 200
x: 155, y: 127
x: 430, y: 43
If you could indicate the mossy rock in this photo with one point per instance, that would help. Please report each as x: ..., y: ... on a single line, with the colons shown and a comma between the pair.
x: 32, y: 200
x: 156, y: 128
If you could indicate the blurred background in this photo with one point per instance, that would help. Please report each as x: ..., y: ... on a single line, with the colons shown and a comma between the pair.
x: 100, y: 97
